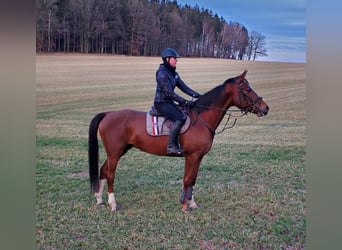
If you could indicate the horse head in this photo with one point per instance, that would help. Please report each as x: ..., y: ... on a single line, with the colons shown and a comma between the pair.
x: 247, y: 99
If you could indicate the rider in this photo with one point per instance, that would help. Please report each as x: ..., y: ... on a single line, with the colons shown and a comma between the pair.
x: 164, y: 101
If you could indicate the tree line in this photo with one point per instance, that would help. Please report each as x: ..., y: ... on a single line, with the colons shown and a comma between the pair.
x: 141, y: 27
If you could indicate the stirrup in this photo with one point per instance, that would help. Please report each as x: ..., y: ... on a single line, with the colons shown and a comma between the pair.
x: 174, y: 150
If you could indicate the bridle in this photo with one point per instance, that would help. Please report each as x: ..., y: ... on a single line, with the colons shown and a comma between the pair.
x: 254, y: 104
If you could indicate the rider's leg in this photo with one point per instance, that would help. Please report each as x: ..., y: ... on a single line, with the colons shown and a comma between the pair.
x: 173, y: 146
x: 171, y: 111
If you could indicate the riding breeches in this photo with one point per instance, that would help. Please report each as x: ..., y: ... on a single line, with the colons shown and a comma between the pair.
x: 170, y: 111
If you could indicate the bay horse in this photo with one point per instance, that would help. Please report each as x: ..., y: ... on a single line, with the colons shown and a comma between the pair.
x: 123, y: 129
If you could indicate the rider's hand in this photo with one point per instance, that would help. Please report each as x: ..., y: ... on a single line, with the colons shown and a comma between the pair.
x: 190, y: 103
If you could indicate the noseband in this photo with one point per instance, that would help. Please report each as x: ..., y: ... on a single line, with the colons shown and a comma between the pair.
x: 253, y: 105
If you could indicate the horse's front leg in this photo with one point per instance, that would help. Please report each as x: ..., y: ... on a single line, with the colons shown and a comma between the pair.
x: 187, y: 199
x: 189, y: 180
x: 192, y: 203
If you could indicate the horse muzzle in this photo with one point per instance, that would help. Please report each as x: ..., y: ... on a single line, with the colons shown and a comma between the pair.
x: 262, y: 110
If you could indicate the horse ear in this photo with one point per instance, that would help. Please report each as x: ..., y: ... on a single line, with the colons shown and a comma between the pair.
x: 242, y: 76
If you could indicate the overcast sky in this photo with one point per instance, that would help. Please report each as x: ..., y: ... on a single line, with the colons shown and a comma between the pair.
x: 282, y: 22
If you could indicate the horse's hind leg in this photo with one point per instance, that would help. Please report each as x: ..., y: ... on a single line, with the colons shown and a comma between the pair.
x: 109, y: 173
x: 98, y: 195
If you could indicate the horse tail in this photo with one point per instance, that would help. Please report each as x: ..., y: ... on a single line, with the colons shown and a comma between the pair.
x: 93, y: 152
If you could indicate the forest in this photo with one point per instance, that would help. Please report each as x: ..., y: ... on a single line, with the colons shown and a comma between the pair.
x: 141, y: 28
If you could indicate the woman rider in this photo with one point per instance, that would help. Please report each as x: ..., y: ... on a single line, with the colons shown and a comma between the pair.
x: 165, y: 97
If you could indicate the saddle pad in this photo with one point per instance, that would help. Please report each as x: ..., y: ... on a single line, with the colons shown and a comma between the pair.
x: 158, y: 125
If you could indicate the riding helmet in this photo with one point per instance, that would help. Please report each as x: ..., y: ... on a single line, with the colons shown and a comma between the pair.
x: 169, y: 52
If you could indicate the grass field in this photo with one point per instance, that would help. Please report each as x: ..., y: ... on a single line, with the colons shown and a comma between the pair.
x: 251, y: 186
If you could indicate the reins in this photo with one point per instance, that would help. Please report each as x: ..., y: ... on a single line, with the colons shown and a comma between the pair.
x: 226, y: 126
x: 221, y: 109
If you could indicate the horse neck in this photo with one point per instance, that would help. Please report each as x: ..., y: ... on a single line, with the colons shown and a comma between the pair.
x: 214, y: 115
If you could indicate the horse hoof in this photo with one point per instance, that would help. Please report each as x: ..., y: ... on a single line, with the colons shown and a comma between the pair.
x: 185, y: 208
x: 100, y: 204
x: 116, y: 208
x: 193, y: 205
x: 113, y: 208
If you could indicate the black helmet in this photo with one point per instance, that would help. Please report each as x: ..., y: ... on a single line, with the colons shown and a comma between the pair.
x: 169, y: 52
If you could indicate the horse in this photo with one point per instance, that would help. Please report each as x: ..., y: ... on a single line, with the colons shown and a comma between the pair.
x: 123, y: 129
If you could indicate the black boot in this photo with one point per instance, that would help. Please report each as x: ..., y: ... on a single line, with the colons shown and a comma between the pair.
x: 173, y: 147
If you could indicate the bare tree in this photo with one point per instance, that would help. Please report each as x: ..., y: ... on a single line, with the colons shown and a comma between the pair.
x: 152, y: 32
x: 242, y: 41
x: 46, y: 23
x: 115, y: 32
x: 177, y: 31
x: 226, y: 41
x: 207, y: 36
x: 136, y: 26
x: 256, y: 45
x: 82, y: 24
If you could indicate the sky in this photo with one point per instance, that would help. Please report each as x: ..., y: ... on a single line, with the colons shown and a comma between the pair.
x: 282, y: 22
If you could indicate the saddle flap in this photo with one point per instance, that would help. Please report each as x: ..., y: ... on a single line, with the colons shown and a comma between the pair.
x: 159, y: 125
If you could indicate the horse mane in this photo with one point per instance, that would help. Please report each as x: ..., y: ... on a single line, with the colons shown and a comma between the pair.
x: 208, y: 99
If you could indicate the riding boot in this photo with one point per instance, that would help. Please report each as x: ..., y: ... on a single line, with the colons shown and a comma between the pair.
x: 173, y: 146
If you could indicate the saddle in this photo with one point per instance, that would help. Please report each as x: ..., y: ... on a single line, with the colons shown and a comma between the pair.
x: 158, y: 125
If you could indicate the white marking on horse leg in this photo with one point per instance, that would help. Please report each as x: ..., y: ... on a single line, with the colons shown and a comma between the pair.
x: 111, y: 201
x: 192, y: 203
x: 98, y: 195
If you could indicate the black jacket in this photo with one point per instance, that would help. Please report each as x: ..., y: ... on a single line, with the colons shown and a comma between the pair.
x: 167, y: 80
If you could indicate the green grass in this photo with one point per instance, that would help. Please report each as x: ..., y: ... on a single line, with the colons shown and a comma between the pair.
x: 251, y: 186
x: 247, y: 199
